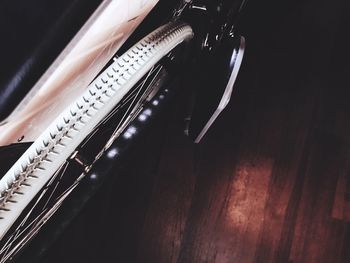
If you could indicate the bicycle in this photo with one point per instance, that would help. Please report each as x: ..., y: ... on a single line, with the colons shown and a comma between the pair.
x: 86, y: 139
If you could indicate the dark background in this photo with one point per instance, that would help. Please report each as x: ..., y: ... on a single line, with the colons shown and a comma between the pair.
x: 271, y: 180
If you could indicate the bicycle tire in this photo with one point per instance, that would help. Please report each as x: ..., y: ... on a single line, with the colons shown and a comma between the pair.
x: 55, y: 145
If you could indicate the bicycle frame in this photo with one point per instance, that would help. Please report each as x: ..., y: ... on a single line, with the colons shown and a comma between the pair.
x: 83, y: 58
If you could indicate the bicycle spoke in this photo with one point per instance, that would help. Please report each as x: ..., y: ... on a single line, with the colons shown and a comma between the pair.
x: 107, y: 107
x: 120, y: 127
x: 19, y: 231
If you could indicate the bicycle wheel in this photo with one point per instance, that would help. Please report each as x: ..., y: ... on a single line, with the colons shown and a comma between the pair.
x: 32, y: 173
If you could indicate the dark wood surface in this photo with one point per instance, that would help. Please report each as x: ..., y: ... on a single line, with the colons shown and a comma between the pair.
x: 271, y: 180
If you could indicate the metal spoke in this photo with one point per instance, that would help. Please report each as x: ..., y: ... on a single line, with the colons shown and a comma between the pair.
x: 129, y: 114
x: 17, y: 233
x: 42, y: 209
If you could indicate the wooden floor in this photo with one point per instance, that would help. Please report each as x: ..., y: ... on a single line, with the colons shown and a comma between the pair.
x: 271, y: 180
